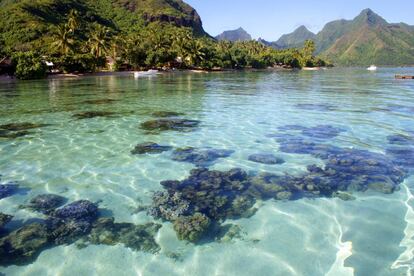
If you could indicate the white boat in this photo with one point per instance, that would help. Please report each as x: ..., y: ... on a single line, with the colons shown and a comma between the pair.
x: 372, y: 68
x: 138, y: 74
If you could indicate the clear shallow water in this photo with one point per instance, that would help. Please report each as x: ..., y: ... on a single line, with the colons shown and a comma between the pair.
x: 91, y: 159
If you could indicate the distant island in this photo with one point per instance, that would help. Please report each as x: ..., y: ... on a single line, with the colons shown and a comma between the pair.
x: 367, y: 39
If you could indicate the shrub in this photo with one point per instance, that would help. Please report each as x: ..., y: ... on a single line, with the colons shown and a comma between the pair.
x: 80, y: 63
x: 29, y: 65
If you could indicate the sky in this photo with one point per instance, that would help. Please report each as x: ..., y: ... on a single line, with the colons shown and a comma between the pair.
x: 269, y: 19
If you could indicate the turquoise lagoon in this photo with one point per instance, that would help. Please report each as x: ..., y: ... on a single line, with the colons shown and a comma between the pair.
x: 243, y: 112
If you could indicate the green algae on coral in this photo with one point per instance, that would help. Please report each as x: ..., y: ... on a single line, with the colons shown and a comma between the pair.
x: 166, y: 114
x: 21, y: 126
x: 191, y: 228
x: 93, y: 114
x: 136, y: 237
x: 176, y: 124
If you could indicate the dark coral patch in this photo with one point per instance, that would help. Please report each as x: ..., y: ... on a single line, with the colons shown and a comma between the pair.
x: 23, y: 245
x: 93, y: 114
x: 402, y: 156
x: 46, y: 203
x: 200, y: 157
x: 316, y: 107
x: 204, y: 197
x: 75, y: 222
x: 175, y: 124
x: 99, y: 101
x: 137, y: 237
x: 8, y: 189
x: 4, y: 219
x: 322, y: 132
x: 166, y: 114
x: 13, y: 134
x: 265, y: 158
x: 21, y: 126
x: 150, y: 148
x: 399, y: 139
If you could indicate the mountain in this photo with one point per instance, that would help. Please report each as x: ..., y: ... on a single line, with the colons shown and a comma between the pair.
x: 269, y: 43
x: 26, y: 23
x: 234, y: 35
x: 295, y: 39
x: 367, y: 39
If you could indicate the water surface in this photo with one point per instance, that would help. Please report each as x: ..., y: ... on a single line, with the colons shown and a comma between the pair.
x: 83, y: 155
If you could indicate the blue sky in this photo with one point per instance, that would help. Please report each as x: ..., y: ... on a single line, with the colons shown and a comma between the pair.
x: 270, y: 19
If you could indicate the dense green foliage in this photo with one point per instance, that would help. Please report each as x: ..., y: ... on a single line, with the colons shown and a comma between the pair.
x: 29, y: 65
x: 80, y: 36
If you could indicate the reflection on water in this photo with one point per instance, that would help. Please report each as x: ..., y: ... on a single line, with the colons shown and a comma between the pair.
x: 327, y: 192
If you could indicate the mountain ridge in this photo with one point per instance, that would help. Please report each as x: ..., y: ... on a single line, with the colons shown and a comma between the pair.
x: 234, y: 35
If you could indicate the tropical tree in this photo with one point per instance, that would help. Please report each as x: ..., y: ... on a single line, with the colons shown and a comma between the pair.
x: 196, y: 53
x: 64, y: 42
x: 99, y: 41
x: 73, y: 20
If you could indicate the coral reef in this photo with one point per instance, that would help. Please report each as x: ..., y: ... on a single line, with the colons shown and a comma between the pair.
x: 149, y: 147
x: 74, y: 222
x: 205, y: 196
x: 46, y: 203
x: 166, y: 114
x: 136, y: 237
x: 4, y: 219
x: 93, y: 114
x: 175, y: 124
x: 8, y: 189
x: 24, y: 244
x: 265, y: 158
x: 99, y: 101
x: 200, y: 157
x: 21, y: 126
x: 191, y: 228
x: 316, y: 107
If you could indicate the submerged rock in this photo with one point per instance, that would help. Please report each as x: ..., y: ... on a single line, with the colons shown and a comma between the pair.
x: 191, y: 228
x: 203, y: 198
x: 100, y: 101
x: 149, y: 147
x: 24, y: 244
x: 93, y: 114
x: 400, y: 139
x: 402, y: 156
x: 13, y: 134
x: 81, y: 209
x: 316, y: 107
x: 72, y: 221
x: 175, y: 124
x: 168, y: 205
x: 322, y: 131
x: 166, y: 114
x: 136, y: 237
x: 7, y: 190
x: 46, y: 203
x: 264, y: 158
x: 4, y: 219
x: 21, y: 126
x: 200, y: 157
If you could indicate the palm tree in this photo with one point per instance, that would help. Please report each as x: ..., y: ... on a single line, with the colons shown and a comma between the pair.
x: 196, y: 52
x: 63, y: 41
x: 99, y: 41
x: 73, y: 20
